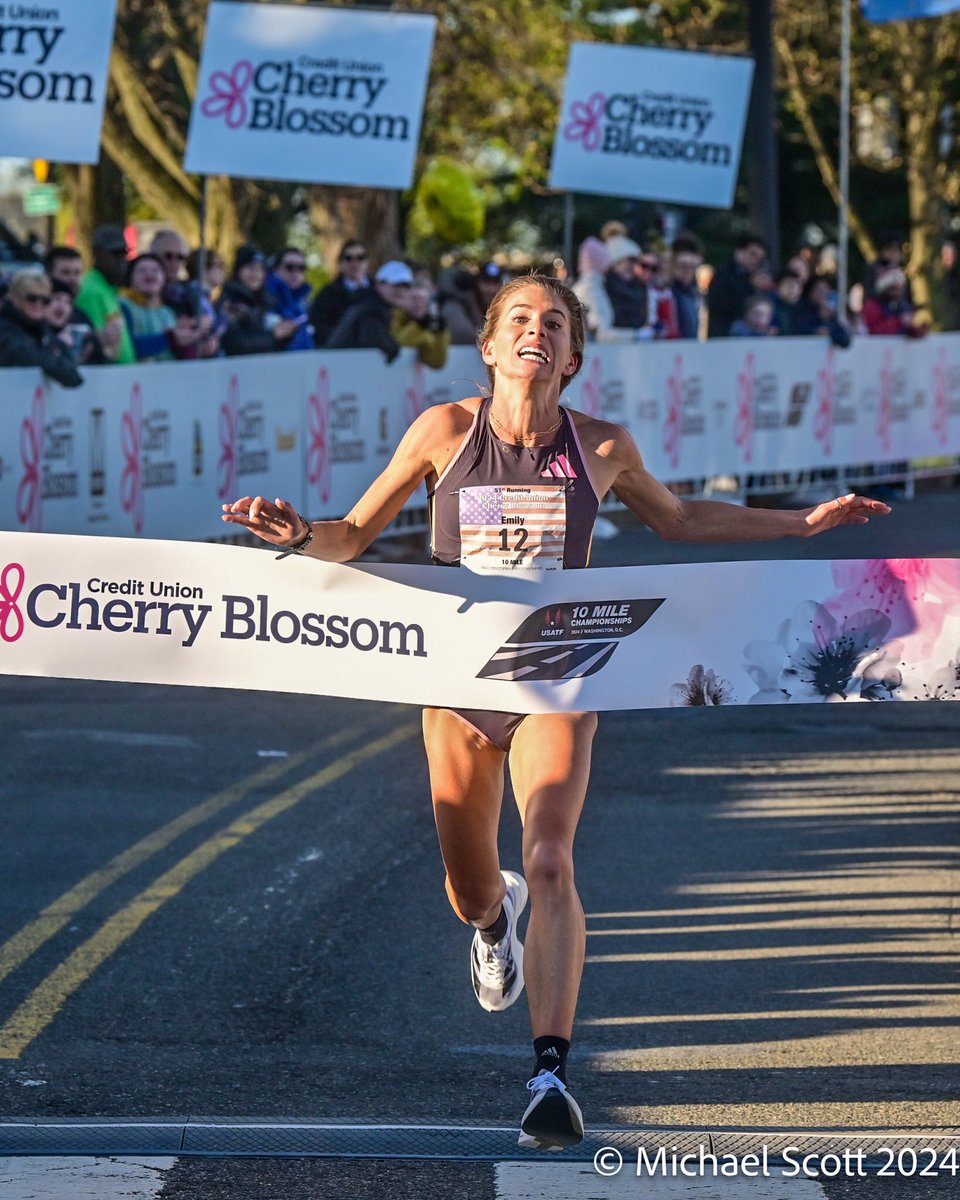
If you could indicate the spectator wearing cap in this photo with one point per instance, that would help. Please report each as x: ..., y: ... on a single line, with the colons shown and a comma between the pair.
x: 250, y: 327
x: 628, y: 295
x: 890, y: 311
x: 593, y: 261
x: 891, y: 253
x: 687, y: 253
x: 351, y: 283
x: 25, y: 338
x: 464, y: 296
x: 367, y: 324
x: 731, y: 285
x: 417, y: 322
x: 288, y: 295
x: 99, y: 296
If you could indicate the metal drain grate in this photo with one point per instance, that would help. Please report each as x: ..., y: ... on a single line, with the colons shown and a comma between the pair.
x: 278, y: 1137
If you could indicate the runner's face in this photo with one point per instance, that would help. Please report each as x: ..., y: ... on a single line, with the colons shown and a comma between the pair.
x: 532, y: 338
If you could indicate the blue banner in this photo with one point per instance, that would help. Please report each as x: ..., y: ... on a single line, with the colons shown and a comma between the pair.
x: 907, y: 10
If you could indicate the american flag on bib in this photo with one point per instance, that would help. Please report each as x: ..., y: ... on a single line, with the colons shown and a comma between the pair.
x: 513, y: 524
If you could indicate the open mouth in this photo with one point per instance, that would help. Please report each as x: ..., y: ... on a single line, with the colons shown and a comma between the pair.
x: 536, y: 354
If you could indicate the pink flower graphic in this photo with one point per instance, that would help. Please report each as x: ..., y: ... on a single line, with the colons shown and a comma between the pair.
x: 227, y: 99
x: 885, y: 405
x: 415, y: 397
x: 916, y: 594
x: 743, y: 428
x: 227, y: 424
x: 940, y: 417
x: 318, y: 450
x: 591, y: 391
x: 671, y: 424
x: 823, y: 418
x: 11, y: 618
x: 131, y: 441
x: 30, y: 491
x: 585, y: 123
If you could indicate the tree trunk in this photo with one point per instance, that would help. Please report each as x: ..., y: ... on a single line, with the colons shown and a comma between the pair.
x: 96, y: 197
x: 372, y: 215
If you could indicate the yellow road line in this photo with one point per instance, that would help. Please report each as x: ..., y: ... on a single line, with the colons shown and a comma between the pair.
x: 52, y: 919
x: 48, y: 998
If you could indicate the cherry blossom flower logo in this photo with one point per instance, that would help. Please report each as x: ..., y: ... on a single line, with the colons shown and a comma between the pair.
x: 11, y: 618
x: 941, y: 408
x: 30, y: 491
x: 228, y: 98
x: 671, y: 424
x: 227, y: 424
x: 415, y: 397
x: 584, y: 125
x: 319, y: 472
x: 823, y: 418
x: 591, y: 392
x: 131, y: 443
x: 885, y: 405
x: 743, y: 426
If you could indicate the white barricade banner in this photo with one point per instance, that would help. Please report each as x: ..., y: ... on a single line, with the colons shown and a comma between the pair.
x: 651, y: 123
x: 54, y: 60
x: 318, y: 95
x: 612, y: 638
x: 154, y: 449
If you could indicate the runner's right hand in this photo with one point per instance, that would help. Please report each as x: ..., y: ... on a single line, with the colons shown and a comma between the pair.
x: 277, y: 522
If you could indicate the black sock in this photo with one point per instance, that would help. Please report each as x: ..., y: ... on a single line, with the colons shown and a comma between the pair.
x: 497, y: 931
x: 551, y: 1055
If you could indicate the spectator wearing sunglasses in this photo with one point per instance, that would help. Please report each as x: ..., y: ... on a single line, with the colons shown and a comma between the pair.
x: 351, y: 283
x: 288, y: 296
x: 25, y: 338
x: 99, y: 295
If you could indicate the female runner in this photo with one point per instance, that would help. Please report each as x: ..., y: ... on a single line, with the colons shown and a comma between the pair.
x: 471, y: 454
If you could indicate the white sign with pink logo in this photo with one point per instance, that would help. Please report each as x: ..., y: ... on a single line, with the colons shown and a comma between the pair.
x: 53, y: 82
x: 653, y: 124
x: 310, y: 94
x: 693, y: 635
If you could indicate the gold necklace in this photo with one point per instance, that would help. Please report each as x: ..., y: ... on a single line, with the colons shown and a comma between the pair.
x: 523, y: 438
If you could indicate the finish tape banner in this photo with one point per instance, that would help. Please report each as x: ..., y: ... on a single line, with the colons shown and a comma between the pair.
x: 610, y: 638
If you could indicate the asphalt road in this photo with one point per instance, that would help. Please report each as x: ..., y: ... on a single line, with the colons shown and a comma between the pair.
x: 230, y: 905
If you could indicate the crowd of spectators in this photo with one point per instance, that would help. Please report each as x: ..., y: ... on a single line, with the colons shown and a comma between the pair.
x: 170, y: 303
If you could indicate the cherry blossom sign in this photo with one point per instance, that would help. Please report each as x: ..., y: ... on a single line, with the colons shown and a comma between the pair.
x: 653, y: 124
x: 310, y: 94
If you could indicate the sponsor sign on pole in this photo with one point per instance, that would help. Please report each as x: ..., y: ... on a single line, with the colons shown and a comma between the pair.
x: 692, y: 635
x: 652, y: 124
x: 317, y: 95
x: 54, y: 60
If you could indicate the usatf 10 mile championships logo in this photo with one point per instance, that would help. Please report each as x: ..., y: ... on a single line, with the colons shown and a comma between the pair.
x: 568, y: 641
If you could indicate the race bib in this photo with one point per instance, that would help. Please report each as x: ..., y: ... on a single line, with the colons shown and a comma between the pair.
x: 512, y: 528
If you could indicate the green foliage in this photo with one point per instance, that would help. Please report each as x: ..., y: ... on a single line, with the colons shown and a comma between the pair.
x: 447, y: 205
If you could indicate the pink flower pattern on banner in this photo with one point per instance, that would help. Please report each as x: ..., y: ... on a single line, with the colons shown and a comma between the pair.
x: 591, y: 392
x: 30, y: 491
x: 415, y: 397
x: 584, y: 125
x: 319, y: 473
x: 940, y: 416
x: 743, y: 426
x: 823, y: 418
x: 917, y: 594
x: 674, y: 414
x: 131, y: 442
x: 228, y: 99
x: 11, y: 618
x: 885, y: 402
x: 227, y: 423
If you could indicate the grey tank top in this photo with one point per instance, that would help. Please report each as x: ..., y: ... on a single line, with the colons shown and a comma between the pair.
x: 500, y: 507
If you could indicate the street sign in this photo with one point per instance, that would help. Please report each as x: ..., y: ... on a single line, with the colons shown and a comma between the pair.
x: 42, y: 200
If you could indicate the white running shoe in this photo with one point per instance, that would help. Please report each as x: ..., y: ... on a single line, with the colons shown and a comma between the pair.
x: 553, y: 1118
x: 497, y: 971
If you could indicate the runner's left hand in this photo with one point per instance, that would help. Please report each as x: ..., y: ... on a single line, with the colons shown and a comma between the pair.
x: 277, y: 522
